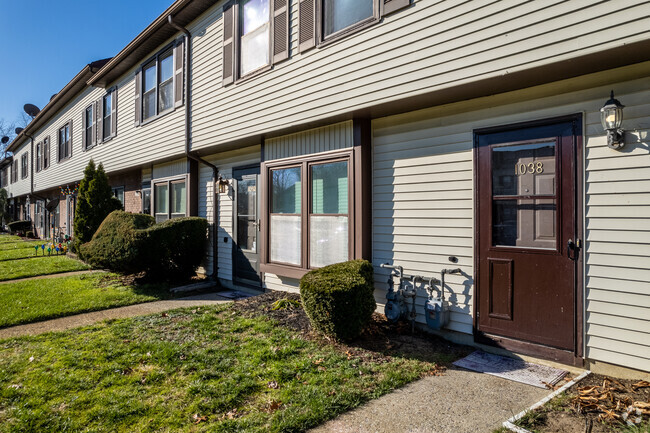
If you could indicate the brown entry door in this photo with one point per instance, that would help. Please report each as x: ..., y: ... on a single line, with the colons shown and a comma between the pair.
x: 527, y: 251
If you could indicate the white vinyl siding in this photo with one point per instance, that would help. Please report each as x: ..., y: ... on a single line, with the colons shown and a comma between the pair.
x: 423, y: 207
x: 22, y: 185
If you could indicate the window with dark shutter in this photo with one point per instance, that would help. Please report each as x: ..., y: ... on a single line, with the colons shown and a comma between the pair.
x: 100, y: 120
x: 228, y: 65
x: 280, y: 30
x: 306, y: 25
x: 46, y: 153
x: 114, y: 112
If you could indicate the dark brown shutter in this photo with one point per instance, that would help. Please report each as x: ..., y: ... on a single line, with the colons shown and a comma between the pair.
x: 114, y: 112
x: 391, y: 6
x: 179, y: 67
x: 100, y: 120
x: 280, y: 30
x: 228, y: 58
x: 93, y: 132
x: 84, y: 144
x: 138, y: 97
x: 306, y: 25
x: 70, y: 138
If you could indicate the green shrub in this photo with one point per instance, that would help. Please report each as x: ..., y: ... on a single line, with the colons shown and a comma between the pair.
x: 132, y: 243
x: 94, y: 202
x: 339, y: 298
x: 19, y: 226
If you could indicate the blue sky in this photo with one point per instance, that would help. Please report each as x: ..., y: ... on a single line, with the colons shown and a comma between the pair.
x: 47, y: 42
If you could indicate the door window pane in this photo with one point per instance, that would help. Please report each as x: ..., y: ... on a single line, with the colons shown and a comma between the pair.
x: 178, y: 199
x: 328, y: 240
x: 146, y: 201
x: 524, y: 169
x: 524, y: 223
x: 246, y: 215
x: 286, y: 187
x: 329, y: 188
x: 285, y: 239
x: 161, y: 197
x: 340, y: 14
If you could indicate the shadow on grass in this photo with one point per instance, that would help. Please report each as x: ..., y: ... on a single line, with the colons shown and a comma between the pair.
x: 380, y: 339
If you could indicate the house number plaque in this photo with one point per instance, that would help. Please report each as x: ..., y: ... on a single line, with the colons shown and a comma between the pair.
x: 530, y: 168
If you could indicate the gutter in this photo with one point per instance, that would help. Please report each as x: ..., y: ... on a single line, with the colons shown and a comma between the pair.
x: 188, y: 138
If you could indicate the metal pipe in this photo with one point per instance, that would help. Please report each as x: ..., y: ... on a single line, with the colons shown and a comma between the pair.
x: 442, y: 280
x: 188, y: 137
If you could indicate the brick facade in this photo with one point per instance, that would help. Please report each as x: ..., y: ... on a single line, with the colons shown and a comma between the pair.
x: 132, y: 183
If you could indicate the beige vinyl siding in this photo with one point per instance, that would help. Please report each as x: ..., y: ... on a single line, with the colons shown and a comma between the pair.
x: 158, y: 140
x: 284, y: 284
x: 423, y: 207
x: 430, y: 46
x: 170, y: 169
x: 21, y: 186
x: 331, y: 137
x: 225, y: 163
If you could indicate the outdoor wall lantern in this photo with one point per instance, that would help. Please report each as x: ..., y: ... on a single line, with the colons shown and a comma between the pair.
x: 611, y: 116
x: 223, y: 185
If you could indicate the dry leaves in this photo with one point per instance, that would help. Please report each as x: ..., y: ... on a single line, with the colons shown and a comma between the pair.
x: 609, y: 405
x: 198, y: 418
x: 273, y: 384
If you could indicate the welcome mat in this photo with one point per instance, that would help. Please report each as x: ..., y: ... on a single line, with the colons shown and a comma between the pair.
x: 512, y: 369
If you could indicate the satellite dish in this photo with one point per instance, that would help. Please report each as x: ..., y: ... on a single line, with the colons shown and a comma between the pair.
x: 32, y: 110
x: 18, y: 130
x: 53, y: 96
x: 5, y: 139
x: 52, y: 204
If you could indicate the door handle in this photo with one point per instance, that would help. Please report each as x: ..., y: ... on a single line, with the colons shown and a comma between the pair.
x: 572, y: 249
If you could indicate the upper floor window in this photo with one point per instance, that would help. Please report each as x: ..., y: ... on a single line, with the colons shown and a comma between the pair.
x: 24, y: 162
x: 88, y: 126
x: 14, y: 171
x: 254, y: 36
x: 339, y: 15
x: 249, y: 45
x: 108, y: 115
x: 65, y: 141
x: 46, y: 153
x: 320, y: 21
x: 158, y: 85
x: 39, y: 156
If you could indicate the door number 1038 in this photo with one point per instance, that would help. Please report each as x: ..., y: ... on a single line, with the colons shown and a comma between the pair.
x: 530, y: 168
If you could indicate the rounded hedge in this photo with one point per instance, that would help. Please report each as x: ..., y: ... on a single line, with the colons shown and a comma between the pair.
x: 132, y: 243
x: 338, y: 298
x: 19, y: 226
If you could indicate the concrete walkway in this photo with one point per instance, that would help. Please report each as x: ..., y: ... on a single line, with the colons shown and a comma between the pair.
x: 85, y: 319
x: 459, y: 401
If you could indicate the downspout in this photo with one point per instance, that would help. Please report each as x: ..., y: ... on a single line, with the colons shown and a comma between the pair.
x: 188, y: 137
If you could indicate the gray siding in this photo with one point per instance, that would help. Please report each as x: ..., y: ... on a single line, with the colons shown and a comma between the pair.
x: 331, y: 137
x: 423, y: 206
x: 22, y: 186
x: 225, y: 163
x: 430, y: 46
x: 170, y: 169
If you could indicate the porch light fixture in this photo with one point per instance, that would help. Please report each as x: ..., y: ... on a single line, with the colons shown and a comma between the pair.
x: 611, y: 116
x: 223, y: 185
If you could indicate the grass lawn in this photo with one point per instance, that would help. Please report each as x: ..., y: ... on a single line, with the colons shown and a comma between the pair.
x: 208, y: 369
x: 23, y: 268
x: 35, y: 300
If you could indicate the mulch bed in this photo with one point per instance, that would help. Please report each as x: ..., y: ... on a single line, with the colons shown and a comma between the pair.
x: 379, y: 342
x: 597, y: 404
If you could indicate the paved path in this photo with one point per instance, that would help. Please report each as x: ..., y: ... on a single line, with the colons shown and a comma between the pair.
x: 459, y: 401
x: 60, y: 274
x: 114, y: 313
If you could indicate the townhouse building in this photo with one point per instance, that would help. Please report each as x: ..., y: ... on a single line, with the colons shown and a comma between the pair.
x: 425, y: 134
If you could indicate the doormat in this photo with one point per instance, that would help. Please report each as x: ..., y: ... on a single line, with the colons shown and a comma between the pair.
x: 512, y: 369
x: 234, y: 294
